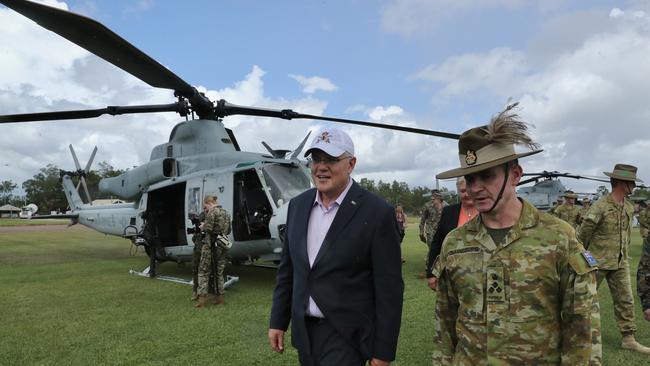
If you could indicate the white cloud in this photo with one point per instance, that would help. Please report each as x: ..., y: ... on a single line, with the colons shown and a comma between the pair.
x: 589, y: 103
x: 410, y: 17
x: 313, y: 84
x: 498, y: 70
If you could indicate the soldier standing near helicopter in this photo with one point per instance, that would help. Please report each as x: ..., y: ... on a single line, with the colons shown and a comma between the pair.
x: 568, y: 211
x: 217, y: 222
x: 606, y: 231
x: 430, y: 217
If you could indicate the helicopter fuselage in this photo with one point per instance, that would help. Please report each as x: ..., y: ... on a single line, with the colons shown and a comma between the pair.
x: 254, y: 188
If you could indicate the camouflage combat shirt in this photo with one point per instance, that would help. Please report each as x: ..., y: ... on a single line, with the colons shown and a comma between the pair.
x: 429, y: 220
x: 570, y: 214
x: 530, y: 300
x: 217, y: 221
x: 606, y: 230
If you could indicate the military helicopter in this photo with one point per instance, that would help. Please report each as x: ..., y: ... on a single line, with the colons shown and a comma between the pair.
x: 548, y: 188
x: 201, y: 157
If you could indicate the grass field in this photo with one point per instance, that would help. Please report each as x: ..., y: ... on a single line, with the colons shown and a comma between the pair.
x: 67, y: 299
x: 23, y: 222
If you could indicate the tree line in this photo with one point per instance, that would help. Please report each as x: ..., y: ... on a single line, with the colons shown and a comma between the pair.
x: 45, y: 190
x: 400, y: 194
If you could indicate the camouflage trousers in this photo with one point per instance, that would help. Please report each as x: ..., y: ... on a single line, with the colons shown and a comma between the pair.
x: 196, y: 259
x: 643, y: 275
x: 205, y: 269
x: 621, y: 289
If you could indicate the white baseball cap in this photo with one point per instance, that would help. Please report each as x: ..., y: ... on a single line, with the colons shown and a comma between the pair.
x: 331, y: 141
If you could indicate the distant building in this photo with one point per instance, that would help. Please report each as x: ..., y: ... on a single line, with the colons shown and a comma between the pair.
x: 9, y: 211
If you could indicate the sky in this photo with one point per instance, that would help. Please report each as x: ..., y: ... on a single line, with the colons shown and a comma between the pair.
x: 578, y: 68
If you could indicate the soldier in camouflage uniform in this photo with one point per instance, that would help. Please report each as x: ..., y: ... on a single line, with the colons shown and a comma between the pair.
x: 606, y: 231
x: 515, y: 287
x: 585, y: 207
x: 217, y: 222
x: 568, y: 211
x: 643, y: 273
x: 430, y: 217
x: 556, y: 204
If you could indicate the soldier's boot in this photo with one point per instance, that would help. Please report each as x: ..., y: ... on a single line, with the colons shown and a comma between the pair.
x: 195, y: 296
x: 218, y: 300
x: 201, y: 301
x: 629, y: 342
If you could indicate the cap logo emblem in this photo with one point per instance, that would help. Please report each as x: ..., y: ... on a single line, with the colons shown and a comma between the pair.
x: 470, y: 157
x: 324, y: 137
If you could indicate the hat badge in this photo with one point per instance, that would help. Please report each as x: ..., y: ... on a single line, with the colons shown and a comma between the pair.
x: 324, y: 137
x: 470, y: 157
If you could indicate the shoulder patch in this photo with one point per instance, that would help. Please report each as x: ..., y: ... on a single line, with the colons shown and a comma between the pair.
x: 464, y: 250
x: 591, y: 261
x: 583, y: 262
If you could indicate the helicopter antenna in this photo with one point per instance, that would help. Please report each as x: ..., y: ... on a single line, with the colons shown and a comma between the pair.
x: 297, y: 151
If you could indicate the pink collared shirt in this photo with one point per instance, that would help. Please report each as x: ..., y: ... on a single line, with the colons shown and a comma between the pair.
x: 320, y: 220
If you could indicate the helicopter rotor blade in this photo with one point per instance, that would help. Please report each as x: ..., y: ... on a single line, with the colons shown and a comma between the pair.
x: 178, y: 107
x: 90, y: 161
x: 74, y: 157
x: 83, y: 183
x: 224, y: 109
x: 526, y: 181
x: 297, y: 151
x: 268, y: 148
x: 103, y: 42
x: 98, y: 39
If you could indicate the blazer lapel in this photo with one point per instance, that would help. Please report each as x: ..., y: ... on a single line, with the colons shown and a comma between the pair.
x: 346, y: 211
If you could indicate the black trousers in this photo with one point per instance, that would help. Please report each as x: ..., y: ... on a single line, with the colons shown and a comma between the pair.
x: 328, y: 347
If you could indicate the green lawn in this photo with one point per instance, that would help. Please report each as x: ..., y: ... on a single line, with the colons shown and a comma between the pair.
x: 67, y: 299
x: 25, y: 222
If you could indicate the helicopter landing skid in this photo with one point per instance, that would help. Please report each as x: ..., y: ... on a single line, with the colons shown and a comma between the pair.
x: 230, y: 280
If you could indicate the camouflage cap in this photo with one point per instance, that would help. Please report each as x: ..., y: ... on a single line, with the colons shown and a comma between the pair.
x: 624, y: 172
x: 488, y: 146
x: 436, y: 193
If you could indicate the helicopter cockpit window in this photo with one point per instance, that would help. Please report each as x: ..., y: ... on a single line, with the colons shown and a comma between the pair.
x: 285, y: 181
x: 194, y: 200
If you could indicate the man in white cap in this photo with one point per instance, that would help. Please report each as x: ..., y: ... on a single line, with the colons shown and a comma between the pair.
x: 515, y: 287
x: 605, y: 231
x: 339, y: 281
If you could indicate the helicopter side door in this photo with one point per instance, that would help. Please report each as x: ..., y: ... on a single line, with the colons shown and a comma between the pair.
x: 252, y: 210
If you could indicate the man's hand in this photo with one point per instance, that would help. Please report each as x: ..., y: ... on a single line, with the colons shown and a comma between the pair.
x: 646, y: 314
x: 423, y: 238
x: 378, y: 362
x: 433, y: 283
x: 276, y: 340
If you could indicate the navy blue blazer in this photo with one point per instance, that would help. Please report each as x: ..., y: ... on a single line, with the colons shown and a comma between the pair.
x: 356, y: 279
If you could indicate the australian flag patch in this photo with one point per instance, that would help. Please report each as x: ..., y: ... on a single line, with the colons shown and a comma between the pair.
x: 590, y: 258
